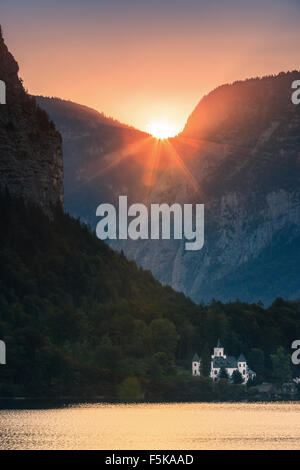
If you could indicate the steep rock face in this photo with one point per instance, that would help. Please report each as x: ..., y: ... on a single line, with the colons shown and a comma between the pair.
x: 242, y: 143
x: 30, y: 147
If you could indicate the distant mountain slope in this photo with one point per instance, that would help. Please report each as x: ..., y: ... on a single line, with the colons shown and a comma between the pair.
x: 240, y: 111
x: 91, y: 143
x: 79, y: 113
x: 30, y: 147
x: 241, y: 146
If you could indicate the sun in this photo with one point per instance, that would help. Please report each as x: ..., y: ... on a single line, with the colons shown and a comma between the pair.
x: 161, y: 129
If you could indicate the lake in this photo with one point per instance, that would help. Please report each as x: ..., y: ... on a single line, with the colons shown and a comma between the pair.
x: 153, y: 426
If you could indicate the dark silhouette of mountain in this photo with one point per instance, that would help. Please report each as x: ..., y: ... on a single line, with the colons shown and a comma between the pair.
x: 80, y: 114
x: 241, y: 144
x: 91, y: 143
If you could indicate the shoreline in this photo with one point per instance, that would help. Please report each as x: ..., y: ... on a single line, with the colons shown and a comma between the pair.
x: 57, y: 402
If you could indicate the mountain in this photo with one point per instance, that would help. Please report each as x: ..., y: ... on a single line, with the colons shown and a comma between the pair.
x: 30, y: 147
x: 79, y: 319
x: 239, y: 152
x: 242, y: 145
x: 82, y: 115
x: 92, y: 142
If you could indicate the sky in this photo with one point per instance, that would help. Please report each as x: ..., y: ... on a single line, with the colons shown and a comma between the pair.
x: 144, y: 62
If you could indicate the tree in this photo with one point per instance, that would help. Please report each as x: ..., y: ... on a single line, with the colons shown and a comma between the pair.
x: 223, y: 374
x: 205, y: 361
x: 281, y: 366
x: 161, y: 363
x: 237, y: 377
x: 130, y: 389
x: 163, y: 335
x: 257, y: 362
x: 252, y: 382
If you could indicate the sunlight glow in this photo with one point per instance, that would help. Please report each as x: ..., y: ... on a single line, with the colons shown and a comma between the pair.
x: 162, y: 129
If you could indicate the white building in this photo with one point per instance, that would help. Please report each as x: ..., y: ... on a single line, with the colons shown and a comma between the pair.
x: 196, y: 362
x: 219, y: 361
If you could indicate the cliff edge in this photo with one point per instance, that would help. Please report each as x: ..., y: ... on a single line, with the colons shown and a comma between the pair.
x: 31, y: 163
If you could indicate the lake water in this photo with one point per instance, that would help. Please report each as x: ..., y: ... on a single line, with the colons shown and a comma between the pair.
x: 154, y: 426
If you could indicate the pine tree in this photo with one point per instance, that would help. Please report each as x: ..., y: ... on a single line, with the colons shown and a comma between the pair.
x: 223, y: 374
x: 281, y: 365
x: 237, y: 377
x: 205, y: 361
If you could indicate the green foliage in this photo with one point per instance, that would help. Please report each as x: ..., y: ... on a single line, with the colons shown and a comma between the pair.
x: 252, y: 382
x: 256, y: 362
x: 163, y: 335
x: 205, y: 361
x: 237, y: 377
x: 130, y: 390
x: 223, y: 374
x: 281, y: 366
x: 79, y: 319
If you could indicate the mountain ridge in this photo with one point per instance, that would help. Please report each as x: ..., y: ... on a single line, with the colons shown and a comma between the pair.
x: 245, y: 161
x: 250, y: 91
x: 71, y: 106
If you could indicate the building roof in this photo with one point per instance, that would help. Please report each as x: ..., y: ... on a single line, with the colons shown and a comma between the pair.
x: 196, y: 358
x: 241, y: 358
x: 229, y: 362
x: 219, y: 343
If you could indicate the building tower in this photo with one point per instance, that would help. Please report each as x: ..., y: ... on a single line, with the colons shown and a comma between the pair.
x: 218, y: 351
x: 196, y: 365
x: 242, y: 365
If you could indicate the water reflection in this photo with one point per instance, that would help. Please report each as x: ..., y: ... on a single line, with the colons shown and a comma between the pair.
x: 153, y: 426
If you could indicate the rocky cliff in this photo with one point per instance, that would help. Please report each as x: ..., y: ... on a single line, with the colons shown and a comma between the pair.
x: 241, y: 144
x: 30, y: 147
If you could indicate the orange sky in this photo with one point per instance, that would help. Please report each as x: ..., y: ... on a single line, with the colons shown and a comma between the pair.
x: 141, y: 63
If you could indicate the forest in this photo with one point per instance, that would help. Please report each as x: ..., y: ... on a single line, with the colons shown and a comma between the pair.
x: 80, y: 320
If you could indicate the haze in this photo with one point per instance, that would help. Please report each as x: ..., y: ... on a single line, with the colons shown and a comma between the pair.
x: 145, y: 62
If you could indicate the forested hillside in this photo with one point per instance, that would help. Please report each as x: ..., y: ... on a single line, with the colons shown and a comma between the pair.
x: 79, y: 319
